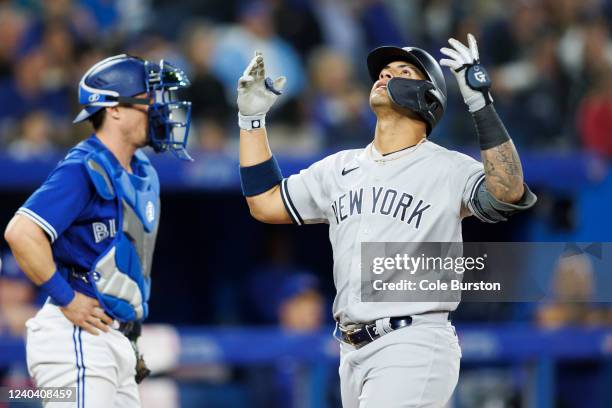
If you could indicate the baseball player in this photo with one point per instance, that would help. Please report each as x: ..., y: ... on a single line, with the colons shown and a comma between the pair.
x: 87, y: 235
x: 402, y: 187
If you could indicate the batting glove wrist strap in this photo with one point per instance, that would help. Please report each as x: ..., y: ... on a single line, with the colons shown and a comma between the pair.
x: 251, y: 122
x: 58, y: 289
x: 477, y: 78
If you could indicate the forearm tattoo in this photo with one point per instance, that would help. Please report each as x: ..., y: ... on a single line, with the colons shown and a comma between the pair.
x: 503, y: 172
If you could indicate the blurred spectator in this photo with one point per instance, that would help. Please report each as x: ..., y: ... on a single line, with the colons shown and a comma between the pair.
x: 595, y: 116
x: 17, y: 296
x: 279, y: 292
x: 292, y: 131
x: 379, y: 27
x: 12, y: 25
x: 59, y: 52
x: 35, y: 139
x: 437, y: 20
x: 340, y: 27
x: 593, y: 58
x: 206, y: 92
x: 220, y: 11
x: 153, y: 46
x: 32, y: 87
x: 573, y: 290
x: 297, y: 24
x: 534, y: 94
x: 68, y: 13
x: 105, y: 13
x: 505, y: 39
x: 210, y: 135
x: 301, y: 305
x: 339, y: 106
x: 408, y: 18
x: 256, y: 32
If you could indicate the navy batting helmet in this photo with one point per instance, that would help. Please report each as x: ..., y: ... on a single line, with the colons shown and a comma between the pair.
x: 425, y: 98
x: 118, y: 79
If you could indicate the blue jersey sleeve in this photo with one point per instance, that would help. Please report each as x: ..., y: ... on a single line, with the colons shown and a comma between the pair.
x: 60, y: 200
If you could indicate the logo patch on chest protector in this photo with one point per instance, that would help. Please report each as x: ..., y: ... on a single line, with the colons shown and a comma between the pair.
x: 150, y: 211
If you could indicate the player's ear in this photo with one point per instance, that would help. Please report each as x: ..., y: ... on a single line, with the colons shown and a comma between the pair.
x: 113, y: 112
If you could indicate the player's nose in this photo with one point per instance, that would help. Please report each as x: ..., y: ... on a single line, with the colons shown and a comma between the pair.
x: 385, y: 76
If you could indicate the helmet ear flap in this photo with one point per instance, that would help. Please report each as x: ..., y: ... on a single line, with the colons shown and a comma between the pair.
x: 414, y: 96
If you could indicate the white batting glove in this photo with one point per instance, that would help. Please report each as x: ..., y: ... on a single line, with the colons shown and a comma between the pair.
x: 256, y: 94
x: 473, y: 80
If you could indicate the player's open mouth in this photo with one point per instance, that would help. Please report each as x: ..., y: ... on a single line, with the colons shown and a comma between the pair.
x: 380, y: 86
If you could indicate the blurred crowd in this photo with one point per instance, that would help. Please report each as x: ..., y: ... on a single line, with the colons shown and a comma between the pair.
x: 550, y: 61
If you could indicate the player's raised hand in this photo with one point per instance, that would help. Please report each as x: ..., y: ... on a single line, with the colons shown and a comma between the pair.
x: 473, y: 80
x: 256, y: 93
x: 86, y: 313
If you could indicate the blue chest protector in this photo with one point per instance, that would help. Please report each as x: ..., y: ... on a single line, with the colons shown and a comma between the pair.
x: 120, y: 276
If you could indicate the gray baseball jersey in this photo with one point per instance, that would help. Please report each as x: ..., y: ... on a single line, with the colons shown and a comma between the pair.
x: 419, y: 194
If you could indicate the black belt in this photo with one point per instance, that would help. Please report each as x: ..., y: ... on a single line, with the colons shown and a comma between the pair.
x: 369, y: 332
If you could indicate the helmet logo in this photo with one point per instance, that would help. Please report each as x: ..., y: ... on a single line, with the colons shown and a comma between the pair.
x: 94, y: 98
x: 150, y: 211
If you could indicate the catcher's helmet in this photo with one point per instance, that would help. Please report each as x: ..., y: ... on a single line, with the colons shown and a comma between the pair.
x: 120, y: 78
x: 425, y: 98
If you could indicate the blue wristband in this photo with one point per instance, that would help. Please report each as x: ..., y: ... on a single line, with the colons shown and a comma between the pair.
x: 58, y: 288
x: 260, y: 178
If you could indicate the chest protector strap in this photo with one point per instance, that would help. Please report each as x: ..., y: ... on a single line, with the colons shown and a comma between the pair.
x: 121, y: 274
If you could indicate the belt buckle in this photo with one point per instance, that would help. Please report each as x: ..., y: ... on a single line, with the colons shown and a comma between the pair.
x: 78, y: 276
x: 346, y: 335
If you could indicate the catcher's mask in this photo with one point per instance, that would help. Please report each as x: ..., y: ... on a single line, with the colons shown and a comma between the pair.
x: 116, y: 80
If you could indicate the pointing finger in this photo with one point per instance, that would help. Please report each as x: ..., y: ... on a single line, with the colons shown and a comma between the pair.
x: 259, y: 72
x: 473, y: 47
x: 466, y: 56
x: 252, y: 64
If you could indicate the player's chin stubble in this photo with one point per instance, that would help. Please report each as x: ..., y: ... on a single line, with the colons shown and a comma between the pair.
x: 379, y: 100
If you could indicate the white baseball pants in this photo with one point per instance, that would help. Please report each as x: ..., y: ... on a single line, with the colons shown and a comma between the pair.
x: 101, y: 368
x: 412, y: 367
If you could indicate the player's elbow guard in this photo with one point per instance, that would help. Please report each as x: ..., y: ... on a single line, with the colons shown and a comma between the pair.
x: 490, y: 209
